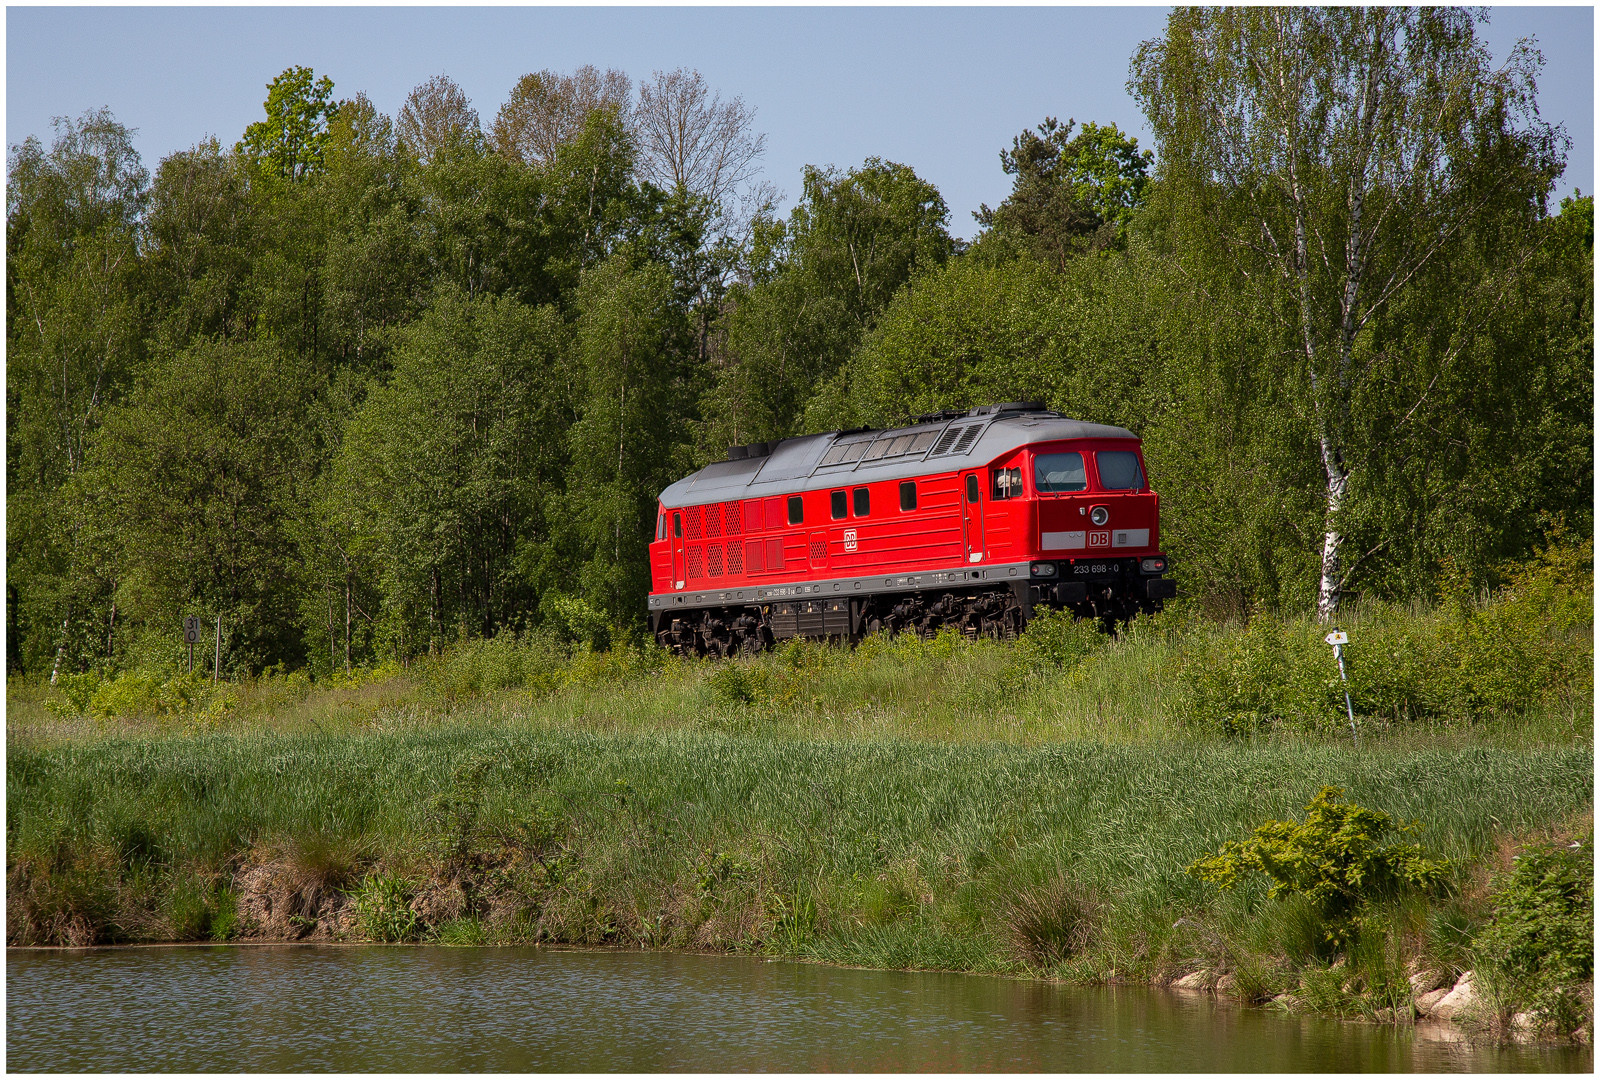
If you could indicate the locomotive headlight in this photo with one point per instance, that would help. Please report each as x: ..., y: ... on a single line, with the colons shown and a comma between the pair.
x: 1099, y: 515
x: 1153, y: 566
x: 1043, y: 569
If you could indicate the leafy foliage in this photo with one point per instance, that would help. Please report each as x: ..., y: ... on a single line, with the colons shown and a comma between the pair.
x: 1072, y: 194
x: 1335, y: 858
x: 291, y: 140
x: 1541, y: 931
x: 382, y: 904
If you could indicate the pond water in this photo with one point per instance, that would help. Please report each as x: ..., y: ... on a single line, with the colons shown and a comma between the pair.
x: 294, y: 1008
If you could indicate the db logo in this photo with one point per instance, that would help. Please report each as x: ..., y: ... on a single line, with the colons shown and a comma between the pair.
x: 1100, y: 539
x: 849, y: 539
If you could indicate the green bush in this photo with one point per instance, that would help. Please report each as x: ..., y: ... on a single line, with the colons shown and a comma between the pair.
x: 1526, y: 645
x: 1055, y: 641
x: 136, y: 693
x: 576, y: 622
x: 1335, y: 858
x: 383, y: 908
x: 1535, y: 639
x: 77, y: 690
x: 1540, y: 935
x: 734, y: 684
x: 533, y: 661
x: 1271, y: 673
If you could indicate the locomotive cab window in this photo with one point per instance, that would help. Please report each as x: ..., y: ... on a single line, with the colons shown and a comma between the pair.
x: 1007, y: 483
x: 972, y: 488
x: 677, y: 525
x: 1059, y: 472
x: 661, y: 526
x: 1119, y: 470
x: 797, y: 510
x: 837, y: 504
x: 908, y: 495
x: 863, y: 501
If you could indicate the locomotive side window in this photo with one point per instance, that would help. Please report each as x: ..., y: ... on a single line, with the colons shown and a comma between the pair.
x: 1007, y: 483
x: 838, y: 504
x: 908, y: 495
x: 1119, y: 470
x: 863, y: 502
x: 797, y: 510
x: 1059, y: 472
x: 677, y: 525
x: 972, y: 487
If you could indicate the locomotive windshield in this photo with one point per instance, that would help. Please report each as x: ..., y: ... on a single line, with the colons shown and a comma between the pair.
x: 1119, y: 470
x: 1059, y: 472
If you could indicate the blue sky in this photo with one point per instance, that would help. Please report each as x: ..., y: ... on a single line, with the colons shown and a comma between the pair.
x: 940, y: 89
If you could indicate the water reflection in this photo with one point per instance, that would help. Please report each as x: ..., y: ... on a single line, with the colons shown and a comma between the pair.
x: 314, y: 1008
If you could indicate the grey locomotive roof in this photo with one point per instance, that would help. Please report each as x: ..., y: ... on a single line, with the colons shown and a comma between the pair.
x: 944, y: 445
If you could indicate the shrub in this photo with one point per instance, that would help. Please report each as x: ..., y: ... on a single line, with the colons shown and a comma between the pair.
x: 735, y: 684
x: 136, y: 693
x: 1272, y: 673
x: 77, y: 690
x: 576, y: 622
x: 1534, y: 640
x: 1055, y: 641
x: 1335, y: 858
x: 1540, y: 935
x: 382, y: 905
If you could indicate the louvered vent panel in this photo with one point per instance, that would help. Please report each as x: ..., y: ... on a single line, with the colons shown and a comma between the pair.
x: 714, y: 560
x: 713, y: 521
x: 735, y: 559
x: 946, y: 441
x: 730, y: 519
x: 697, y: 566
x: 692, y: 523
x: 968, y: 437
x: 819, y: 551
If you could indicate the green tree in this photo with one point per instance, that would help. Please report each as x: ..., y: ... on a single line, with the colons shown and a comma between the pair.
x: 201, y: 237
x: 1071, y: 194
x: 1328, y: 157
x: 435, y: 499
x: 193, y: 481
x: 74, y: 329
x: 820, y: 281
x: 636, y: 385
x: 373, y: 272
x: 289, y: 143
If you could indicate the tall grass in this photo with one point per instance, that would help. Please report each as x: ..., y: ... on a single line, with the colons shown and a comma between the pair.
x: 1516, y: 664
x: 833, y: 835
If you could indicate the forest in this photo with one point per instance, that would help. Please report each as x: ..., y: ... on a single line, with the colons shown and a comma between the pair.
x: 361, y: 386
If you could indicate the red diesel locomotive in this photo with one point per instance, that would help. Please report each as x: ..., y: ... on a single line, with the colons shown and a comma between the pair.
x: 965, y: 519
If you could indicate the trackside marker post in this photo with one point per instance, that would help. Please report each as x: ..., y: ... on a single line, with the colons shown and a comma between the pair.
x: 1338, y: 639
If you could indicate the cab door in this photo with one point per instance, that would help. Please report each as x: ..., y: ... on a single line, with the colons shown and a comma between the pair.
x: 677, y: 549
x: 972, y: 515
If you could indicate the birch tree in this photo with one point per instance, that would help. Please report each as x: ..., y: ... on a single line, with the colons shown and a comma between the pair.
x: 1327, y: 157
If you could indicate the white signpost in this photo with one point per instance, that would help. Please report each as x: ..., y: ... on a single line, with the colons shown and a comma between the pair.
x: 1338, y: 640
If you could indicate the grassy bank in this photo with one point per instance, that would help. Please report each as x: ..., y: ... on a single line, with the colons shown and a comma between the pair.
x: 1063, y: 860
x: 1030, y: 808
